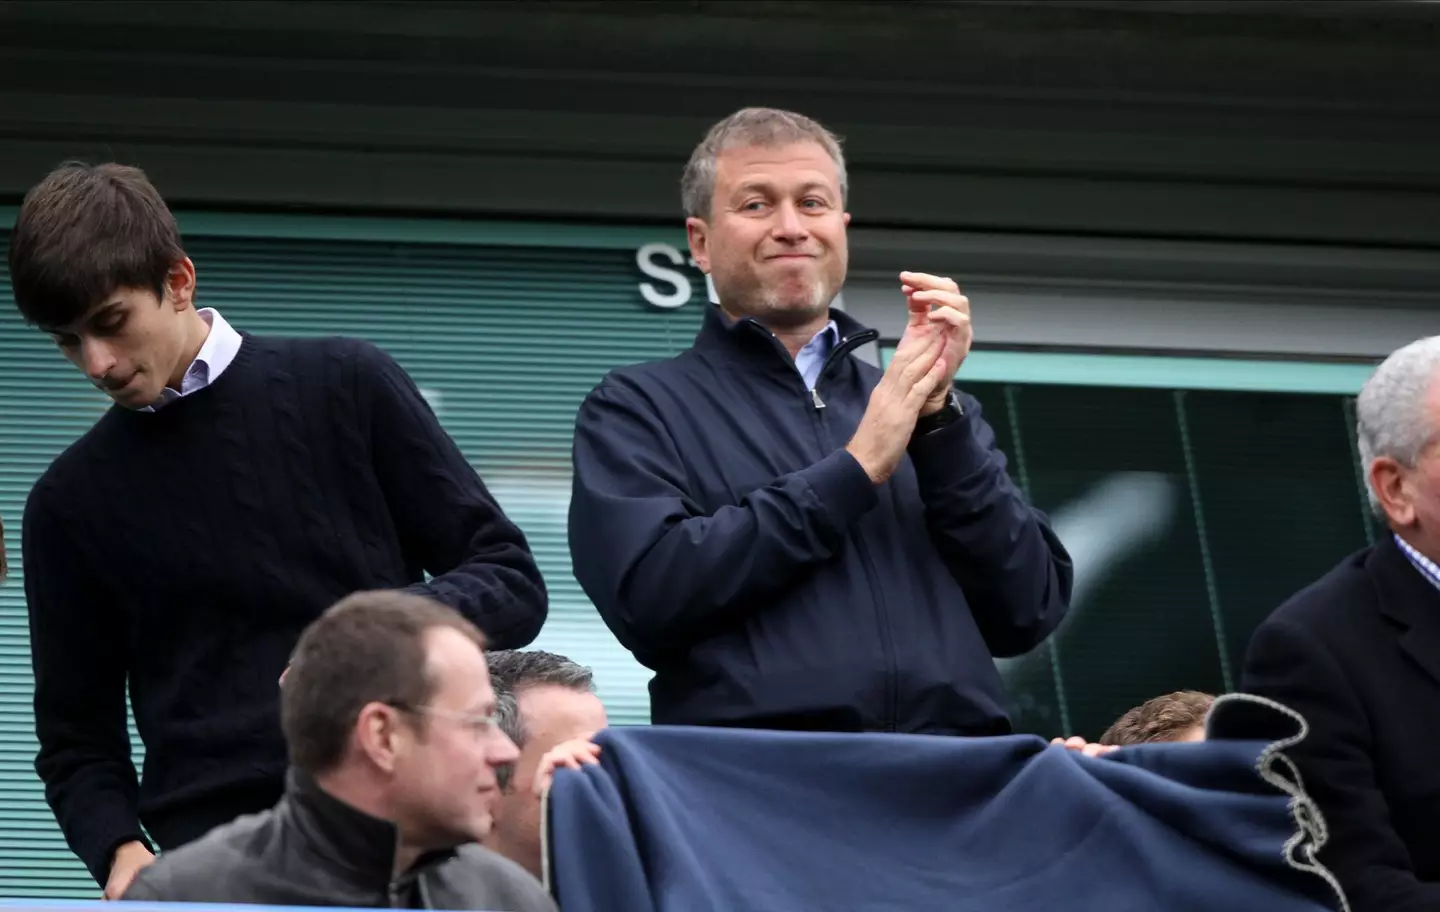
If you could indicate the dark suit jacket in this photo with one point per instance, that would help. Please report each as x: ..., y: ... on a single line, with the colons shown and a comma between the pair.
x: 1358, y: 654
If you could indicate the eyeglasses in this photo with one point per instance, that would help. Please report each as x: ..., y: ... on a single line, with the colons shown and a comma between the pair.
x: 479, y: 725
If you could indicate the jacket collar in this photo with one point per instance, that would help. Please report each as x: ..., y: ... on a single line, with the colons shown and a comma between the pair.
x: 749, y: 340
x: 1411, y: 601
x: 362, y: 846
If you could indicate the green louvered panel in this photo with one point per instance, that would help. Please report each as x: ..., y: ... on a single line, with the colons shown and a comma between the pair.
x: 44, y: 405
x: 504, y: 340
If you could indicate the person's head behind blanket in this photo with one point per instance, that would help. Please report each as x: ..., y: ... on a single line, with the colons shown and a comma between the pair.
x: 388, y: 705
x: 543, y: 700
x: 1178, y: 716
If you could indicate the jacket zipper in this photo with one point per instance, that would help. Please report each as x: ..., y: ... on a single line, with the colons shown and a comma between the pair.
x: 882, y: 617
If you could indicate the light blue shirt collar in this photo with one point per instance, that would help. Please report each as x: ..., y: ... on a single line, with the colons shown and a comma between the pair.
x: 811, y: 358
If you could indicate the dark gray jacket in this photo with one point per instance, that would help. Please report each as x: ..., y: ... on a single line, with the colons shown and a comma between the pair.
x: 314, y: 850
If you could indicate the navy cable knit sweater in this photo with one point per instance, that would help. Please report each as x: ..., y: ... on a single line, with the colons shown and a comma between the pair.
x: 186, y: 549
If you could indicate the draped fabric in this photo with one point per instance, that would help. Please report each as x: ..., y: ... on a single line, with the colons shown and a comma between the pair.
x: 677, y: 819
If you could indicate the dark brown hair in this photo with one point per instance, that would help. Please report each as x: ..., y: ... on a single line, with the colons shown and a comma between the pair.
x: 1164, y: 718
x: 368, y: 647
x: 85, y: 231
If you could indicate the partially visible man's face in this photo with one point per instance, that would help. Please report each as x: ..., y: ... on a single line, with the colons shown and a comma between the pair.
x: 550, y: 714
x: 774, y: 242
x: 444, y: 783
x: 1418, y: 509
x: 132, y: 344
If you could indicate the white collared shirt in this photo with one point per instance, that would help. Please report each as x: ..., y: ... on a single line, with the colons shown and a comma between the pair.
x: 221, y: 345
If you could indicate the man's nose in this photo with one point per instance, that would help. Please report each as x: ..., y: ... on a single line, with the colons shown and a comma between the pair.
x: 502, y: 750
x: 96, y: 358
x: 789, y: 224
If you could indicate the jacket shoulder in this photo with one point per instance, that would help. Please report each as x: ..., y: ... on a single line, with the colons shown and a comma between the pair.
x: 483, y: 879
x: 1334, y: 612
x: 1329, y: 600
x: 648, y: 373
x: 645, y: 381
x: 203, y: 870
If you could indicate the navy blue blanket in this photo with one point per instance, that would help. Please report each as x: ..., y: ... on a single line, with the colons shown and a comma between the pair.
x: 678, y: 819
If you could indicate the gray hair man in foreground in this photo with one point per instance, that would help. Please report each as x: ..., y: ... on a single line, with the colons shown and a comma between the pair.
x: 388, y: 713
x: 1357, y: 653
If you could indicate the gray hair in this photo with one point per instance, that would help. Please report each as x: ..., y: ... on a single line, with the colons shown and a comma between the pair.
x: 764, y: 127
x: 1390, y: 414
x: 514, y: 670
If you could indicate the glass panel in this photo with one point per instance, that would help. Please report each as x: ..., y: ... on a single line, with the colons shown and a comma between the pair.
x: 1035, y: 703
x: 1281, y: 506
x: 1108, y: 466
x: 1119, y: 475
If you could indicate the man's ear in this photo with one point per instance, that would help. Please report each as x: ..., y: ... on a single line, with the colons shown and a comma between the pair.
x: 180, y: 284
x: 381, y: 734
x: 1390, y: 482
x: 698, y: 233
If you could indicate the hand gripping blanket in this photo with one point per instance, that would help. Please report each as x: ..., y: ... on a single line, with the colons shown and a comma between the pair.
x: 680, y: 819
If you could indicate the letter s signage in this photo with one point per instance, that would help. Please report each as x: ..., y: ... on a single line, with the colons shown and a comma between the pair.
x: 675, y: 290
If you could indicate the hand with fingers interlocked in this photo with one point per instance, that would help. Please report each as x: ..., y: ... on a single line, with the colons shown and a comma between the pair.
x: 937, y: 308
x: 918, y: 380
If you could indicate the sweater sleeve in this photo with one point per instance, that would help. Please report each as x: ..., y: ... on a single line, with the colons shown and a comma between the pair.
x: 78, y: 653
x: 1015, y: 572
x: 447, y: 522
x: 660, y: 569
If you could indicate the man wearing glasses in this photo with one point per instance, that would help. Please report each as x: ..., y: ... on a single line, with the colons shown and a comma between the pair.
x: 388, y: 713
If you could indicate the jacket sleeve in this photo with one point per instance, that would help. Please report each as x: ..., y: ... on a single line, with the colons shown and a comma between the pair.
x: 447, y: 522
x: 1016, y: 574
x: 78, y: 644
x: 1291, y: 666
x: 661, y: 570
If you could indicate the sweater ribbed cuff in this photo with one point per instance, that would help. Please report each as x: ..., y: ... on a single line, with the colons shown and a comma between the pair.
x: 98, y: 848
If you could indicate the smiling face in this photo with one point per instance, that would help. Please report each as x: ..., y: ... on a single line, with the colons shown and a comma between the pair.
x: 443, y: 785
x: 774, y: 241
x: 133, y: 344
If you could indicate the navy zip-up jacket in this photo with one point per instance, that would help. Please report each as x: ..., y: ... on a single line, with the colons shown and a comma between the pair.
x: 733, y: 545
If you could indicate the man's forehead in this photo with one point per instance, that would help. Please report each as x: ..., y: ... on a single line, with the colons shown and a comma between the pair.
x: 546, y: 706
x: 456, y: 664
x: 110, y: 303
x: 807, y: 160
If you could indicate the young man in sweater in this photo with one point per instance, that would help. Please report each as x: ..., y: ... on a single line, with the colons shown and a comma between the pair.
x: 241, y: 485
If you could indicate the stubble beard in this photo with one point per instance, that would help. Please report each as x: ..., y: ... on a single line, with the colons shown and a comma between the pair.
x: 789, y: 308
